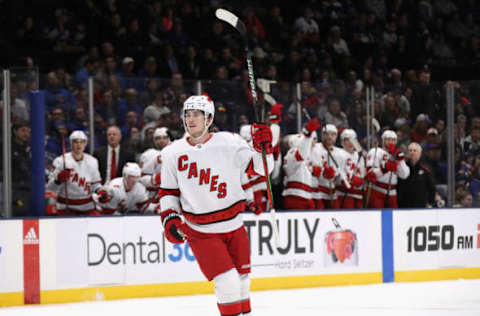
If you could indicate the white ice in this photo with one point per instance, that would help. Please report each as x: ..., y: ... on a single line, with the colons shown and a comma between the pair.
x: 453, y: 298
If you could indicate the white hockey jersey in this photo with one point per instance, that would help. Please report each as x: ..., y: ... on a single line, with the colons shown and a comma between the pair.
x: 298, y: 178
x: 151, y: 164
x: 376, y: 159
x: 122, y: 201
x: 351, y: 165
x: 325, y: 188
x: 203, y: 181
x: 277, y: 155
x: 84, y: 179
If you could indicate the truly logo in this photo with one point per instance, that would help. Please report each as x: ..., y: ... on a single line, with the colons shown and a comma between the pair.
x: 31, y: 237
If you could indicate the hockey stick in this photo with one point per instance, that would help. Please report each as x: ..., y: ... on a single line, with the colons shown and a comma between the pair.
x: 64, y: 166
x: 234, y: 21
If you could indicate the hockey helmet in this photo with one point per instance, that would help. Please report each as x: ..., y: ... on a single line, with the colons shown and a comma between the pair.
x: 131, y: 169
x: 199, y: 102
x: 78, y: 135
x: 389, y: 134
x: 348, y: 134
x: 329, y: 128
x: 162, y: 131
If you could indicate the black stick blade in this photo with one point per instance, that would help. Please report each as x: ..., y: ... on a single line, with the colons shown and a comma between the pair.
x: 231, y: 19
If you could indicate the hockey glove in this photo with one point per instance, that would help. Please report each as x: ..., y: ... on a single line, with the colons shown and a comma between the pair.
x: 371, y: 177
x: 396, y: 153
x: 356, y: 181
x: 317, y: 171
x: 328, y: 172
x: 311, y: 127
x: 63, y: 176
x: 255, y: 208
x: 262, y: 136
x: 103, y: 196
x: 389, y: 166
x: 172, y: 224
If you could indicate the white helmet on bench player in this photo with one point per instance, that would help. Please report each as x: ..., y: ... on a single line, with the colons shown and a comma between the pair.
x: 131, y: 169
x: 78, y: 135
x: 389, y: 134
x: 348, y: 134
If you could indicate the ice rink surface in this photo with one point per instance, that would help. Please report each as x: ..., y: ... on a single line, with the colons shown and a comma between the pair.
x: 453, y: 298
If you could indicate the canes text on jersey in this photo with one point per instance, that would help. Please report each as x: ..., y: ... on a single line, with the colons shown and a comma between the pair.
x: 204, y: 176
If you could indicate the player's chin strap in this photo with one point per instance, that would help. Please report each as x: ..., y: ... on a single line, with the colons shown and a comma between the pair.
x: 205, y: 130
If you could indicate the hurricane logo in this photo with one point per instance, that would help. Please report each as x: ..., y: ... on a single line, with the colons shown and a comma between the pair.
x: 341, y: 246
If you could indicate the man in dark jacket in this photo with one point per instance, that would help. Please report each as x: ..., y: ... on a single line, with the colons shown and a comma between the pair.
x: 418, y: 190
x: 113, y: 157
x: 21, y: 169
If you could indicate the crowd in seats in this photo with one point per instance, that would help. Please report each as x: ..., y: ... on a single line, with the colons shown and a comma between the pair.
x: 146, y: 58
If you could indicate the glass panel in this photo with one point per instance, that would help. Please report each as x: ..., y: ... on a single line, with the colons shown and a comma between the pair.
x: 22, y: 82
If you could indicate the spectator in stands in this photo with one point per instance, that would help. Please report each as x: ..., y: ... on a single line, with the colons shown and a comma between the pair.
x: 81, y: 76
x: 133, y: 142
x: 418, y: 189
x: 335, y: 116
x: 21, y: 169
x: 128, y: 104
x: 149, y: 70
x: 79, y: 121
x: 472, y: 142
x: 112, y: 158
x: 19, y: 109
x: 130, y: 122
x: 146, y: 96
x: 464, y: 200
x: 55, y: 95
x: 156, y: 109
x: 419, y: 132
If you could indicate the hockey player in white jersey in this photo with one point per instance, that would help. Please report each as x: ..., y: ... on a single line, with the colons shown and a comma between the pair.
x: 275, y: 119
x: 151, y: 162
x: 299, y: 170
x: 353, y: 164
x: 126, y: 194
x: 201, y: 182
x: 257, y: 184
x: 75, y: 178
x: 384, y: 166
x: 325, y: 196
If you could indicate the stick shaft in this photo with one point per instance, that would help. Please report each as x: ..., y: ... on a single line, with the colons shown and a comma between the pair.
x: 64, y: 167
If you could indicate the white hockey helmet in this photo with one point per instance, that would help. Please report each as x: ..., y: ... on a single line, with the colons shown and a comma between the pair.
x: 131, y: 169
x: 348, y: 134
x: 199, y: 102
x: 245, y: 132
x: 389, y: 134
x: 329, y: 128
x: 78, y: 135
x: 161, y: 131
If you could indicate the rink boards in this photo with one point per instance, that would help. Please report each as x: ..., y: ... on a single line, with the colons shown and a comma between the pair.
x: 56, y: 260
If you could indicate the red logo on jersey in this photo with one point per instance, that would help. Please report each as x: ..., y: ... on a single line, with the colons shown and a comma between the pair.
x: 204, y: 175
x: 81, y: 182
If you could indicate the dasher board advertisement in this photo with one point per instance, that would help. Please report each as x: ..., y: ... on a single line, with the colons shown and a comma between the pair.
x: 313, y: 243
x: 112, y: 251
x: 133, y: 250
x: 436, y: 239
